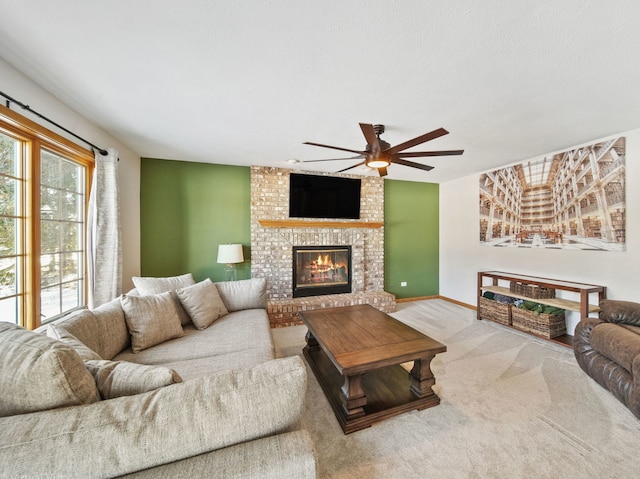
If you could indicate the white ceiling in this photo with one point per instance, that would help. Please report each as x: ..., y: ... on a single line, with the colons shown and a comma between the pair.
x: 245, y: 82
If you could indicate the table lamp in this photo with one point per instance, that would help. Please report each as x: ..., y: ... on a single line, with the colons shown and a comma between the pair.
x: 230, y: 254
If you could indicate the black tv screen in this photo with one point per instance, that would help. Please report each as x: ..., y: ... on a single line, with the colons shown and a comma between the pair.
x: 313, y: 196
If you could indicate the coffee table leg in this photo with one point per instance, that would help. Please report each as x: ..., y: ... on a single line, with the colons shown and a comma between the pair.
x: 353, y: 397
x: 422, y: 378
x: 312, y: 342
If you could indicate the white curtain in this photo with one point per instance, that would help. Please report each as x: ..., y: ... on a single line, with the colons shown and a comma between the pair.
x: 104, y: 247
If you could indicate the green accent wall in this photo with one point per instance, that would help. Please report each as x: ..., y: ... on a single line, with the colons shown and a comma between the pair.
x: 186, y: 210
x: 411, y: 238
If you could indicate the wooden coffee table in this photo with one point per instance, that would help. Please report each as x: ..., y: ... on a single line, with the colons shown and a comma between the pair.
x: 356, y: 352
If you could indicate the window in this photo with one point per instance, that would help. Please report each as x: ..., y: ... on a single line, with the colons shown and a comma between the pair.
x: 11, y: 188
x: 44, y: 182
x: 62, y: 226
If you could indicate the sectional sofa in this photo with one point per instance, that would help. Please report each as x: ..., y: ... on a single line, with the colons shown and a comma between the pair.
x: 174, y: 379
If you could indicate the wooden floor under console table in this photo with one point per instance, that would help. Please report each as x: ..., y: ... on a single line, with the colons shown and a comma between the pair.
x: 590, y: 294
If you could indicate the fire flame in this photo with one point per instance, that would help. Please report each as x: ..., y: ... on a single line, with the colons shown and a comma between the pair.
x: 327, y: 261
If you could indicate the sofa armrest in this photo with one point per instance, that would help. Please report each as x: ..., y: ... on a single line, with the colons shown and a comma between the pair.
x: 132, y: 433
x: 633, y: 399
x: 606, y: 372
x: 585, y: 355
x: 582, y: 333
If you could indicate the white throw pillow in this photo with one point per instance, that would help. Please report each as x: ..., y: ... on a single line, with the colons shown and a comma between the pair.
x: 243, y: 294
x: 148, y: 285
x: 121, y: 378
x: 151, y: 319
x: 203, y: 303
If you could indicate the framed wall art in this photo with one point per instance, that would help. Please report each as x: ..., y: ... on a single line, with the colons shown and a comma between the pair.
x: 569, y: 200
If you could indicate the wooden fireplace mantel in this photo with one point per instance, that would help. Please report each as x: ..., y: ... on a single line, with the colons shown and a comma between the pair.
x: 319, y: 224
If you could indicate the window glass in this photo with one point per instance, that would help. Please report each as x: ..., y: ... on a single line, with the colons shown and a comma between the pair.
x: 62, y: 203
x: 10, y: 224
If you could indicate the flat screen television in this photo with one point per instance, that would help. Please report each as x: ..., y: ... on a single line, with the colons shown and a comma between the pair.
x: 315, y: 196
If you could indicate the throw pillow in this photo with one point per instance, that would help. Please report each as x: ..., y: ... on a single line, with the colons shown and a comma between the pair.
x: 121, y: 378
x: 66, y: 337
x: 243, y: 294
x: 110, y: 324
x: 102, y: 330
x: 82, y: 325
x: 151, y: 319
x: 202, y: 302
x: 39, y: 373
x: 148, y: 285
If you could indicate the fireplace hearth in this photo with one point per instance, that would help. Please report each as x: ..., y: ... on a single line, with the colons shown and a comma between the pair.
x: 319, y: 270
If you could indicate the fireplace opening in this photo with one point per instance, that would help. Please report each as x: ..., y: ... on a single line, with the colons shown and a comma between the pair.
x: 319, y: 270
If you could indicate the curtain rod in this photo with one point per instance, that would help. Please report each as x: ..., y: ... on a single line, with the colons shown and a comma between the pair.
x: 102, y: 151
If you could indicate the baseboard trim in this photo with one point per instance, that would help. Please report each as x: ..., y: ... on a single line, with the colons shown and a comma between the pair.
x: 459, y: 303
x: 417, y: 298
x: 422, y: 298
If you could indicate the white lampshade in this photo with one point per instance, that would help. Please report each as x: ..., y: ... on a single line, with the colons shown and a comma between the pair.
x: 230, y: 253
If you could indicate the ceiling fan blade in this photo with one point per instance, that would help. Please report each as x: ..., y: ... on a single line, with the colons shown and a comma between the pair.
x: 334, y: 159
x: 335, y: 148
x: 382, y: 171
x: 412, y: 164
x: 418, y: 140
x: 370, y: 136
x: 417, y: 154
x: 352, y: 166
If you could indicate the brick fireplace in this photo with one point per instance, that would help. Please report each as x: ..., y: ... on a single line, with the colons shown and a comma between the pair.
x: 274, y: 236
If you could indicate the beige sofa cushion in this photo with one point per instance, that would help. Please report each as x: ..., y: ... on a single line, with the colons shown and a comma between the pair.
x: 243, y: 294
x: 102, y: 330
x: 202, y: 302
x: 148, y: 285
x: 39, y: 373
x: 66, y: 337
x: 120, y: 378
x: 235, y: 341
x: 151, y: 319
x: 80, y: 325
x: 289, y: 455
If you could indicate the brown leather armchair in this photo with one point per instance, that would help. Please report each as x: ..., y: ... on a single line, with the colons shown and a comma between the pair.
x: 608, y: 349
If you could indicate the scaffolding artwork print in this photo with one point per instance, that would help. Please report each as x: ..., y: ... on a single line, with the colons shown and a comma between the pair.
x: 569, y: 200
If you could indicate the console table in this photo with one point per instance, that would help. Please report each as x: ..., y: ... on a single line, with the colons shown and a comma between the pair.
x: 590, y: 294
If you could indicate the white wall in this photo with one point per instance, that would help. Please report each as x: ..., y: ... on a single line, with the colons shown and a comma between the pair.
x: 462, y: 256
x: 24, y: 90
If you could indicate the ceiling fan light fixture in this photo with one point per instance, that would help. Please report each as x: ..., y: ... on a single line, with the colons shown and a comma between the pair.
x: 379, y: 162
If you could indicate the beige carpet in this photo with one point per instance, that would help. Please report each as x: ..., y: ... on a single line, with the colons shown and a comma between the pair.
x: 512, y: 406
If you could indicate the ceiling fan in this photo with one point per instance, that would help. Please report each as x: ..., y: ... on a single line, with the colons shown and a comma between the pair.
x: 379, y: 154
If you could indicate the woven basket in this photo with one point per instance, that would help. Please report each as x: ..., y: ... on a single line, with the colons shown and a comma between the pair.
x: 545, y: 325
x: 495, y: 311
x: 531, y: 290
